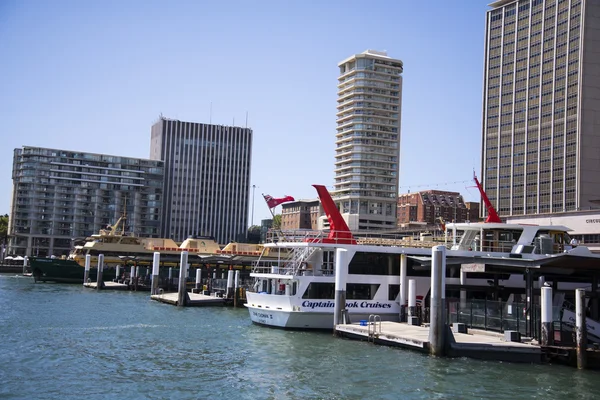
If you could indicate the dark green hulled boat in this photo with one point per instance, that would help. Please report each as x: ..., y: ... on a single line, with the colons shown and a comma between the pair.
x: 61, y: 270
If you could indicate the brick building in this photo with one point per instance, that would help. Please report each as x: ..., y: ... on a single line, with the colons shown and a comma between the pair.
x: 429, y: 205
x: 301, y: 214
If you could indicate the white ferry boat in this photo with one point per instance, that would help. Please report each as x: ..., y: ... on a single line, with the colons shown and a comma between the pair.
x: 297, y: 290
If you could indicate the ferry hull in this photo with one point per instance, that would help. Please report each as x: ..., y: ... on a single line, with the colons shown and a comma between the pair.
x: 62, y: 271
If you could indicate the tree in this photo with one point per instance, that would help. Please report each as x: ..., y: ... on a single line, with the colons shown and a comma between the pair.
x: 277, y: 221
x: 254, y: 234
x: 3, y: 227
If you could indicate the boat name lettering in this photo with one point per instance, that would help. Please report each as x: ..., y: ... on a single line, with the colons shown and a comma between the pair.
x: 262, y: 315
x: 349, y: 304
x: 592, y: 221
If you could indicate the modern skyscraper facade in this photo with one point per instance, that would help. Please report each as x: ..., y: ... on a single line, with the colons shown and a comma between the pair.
x: 541, y: 106
x: 207, y: 178
x: 60, y: 195
x: 368, y: 139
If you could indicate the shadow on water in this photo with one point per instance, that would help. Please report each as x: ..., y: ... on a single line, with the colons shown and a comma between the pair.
x: 66, y: 341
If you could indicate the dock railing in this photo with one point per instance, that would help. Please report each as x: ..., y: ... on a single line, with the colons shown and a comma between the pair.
x: 497, y: 316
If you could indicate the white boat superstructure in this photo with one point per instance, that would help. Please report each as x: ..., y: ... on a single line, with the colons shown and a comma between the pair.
x: 297, y: 290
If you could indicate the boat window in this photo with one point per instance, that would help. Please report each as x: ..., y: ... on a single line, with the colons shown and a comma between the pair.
x: 328, y: 260
x: 360, y: 291
x: 319, y: 290
x: 393, y: 292
x: 374, y: 264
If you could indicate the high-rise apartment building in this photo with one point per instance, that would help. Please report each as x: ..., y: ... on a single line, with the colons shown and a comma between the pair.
x: 207, y: 178
x: 541, y: 106
x: 368, y: 140
x: 60, y: 195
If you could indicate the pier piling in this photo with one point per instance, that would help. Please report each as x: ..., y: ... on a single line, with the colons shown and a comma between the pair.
x: 155, y: 272
x: 463, y: 292
x: 412, y: 302
x: 546, y: 317
x: 436, y: 327
x: 181, y: 289
x: 580, y: 328
x: 86, y: 271
x: 229, y: 294
x: 117, y: 273
x: 403, y: 287
x: 132, y: 275
x: 170, y: 282
x: 342, y: 258
x: 99, y: 281
x: 198, y: 280
x: 25, y: 260
x: 236, y: 284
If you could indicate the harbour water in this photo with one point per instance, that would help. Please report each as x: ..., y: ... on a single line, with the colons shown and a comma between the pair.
x: 60, y: 341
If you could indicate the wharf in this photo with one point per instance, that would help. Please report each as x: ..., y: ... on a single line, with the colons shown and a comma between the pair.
x: 475, y: 344
x: 108, y: 285
x: 193, y: 299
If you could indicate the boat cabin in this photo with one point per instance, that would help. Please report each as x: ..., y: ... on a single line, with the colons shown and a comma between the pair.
x: 509, y: 238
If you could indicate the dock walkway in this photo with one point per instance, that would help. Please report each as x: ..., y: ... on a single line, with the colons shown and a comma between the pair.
x: 193, y: 299
x: 475, y: 344
x: 108, y: 285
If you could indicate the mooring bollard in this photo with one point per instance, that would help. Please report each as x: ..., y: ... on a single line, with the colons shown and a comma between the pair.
x: 181, y: 290
x: 99, y: 282
x: 155, y: 272
x: 436, y: 315
x: 86, y: 272
x: 580, y: 328
x: 403, y: 286
x: 546, y: 316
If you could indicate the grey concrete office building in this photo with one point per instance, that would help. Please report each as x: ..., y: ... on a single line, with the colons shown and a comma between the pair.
x: 368, y: 140
x: 207, y: 178
x: 541, y: 106
x: 60, y: 195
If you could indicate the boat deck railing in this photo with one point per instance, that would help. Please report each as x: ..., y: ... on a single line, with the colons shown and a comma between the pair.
x: 364, y: 238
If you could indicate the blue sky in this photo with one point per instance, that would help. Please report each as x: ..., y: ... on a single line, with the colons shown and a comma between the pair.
x: 94, y: 76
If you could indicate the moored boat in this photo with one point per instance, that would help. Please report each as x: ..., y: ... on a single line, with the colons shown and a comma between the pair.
x: 298, y: 291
